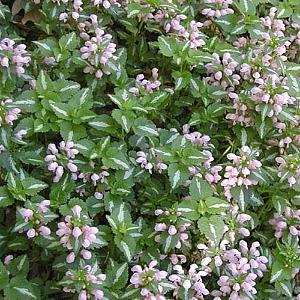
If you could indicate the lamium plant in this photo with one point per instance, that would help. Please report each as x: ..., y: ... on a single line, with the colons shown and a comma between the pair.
x: 150, y: 149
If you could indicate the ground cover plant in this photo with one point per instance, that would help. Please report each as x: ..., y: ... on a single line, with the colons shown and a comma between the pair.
x: 150, y: 149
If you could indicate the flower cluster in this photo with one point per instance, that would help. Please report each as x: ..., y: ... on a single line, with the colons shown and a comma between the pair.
x: 190, y: 283
x: 289, y: 168
x: 217, y: 8
x: 98, y: 49
x: 8, y: 115
x: 238, y: 174
x: 144, y: 163
x: 76, y: 235
x: 237, y: 223
x: 242, y: 268
x: 148, y: 86
x: 87, y: 279
x: 57, y: 161
x: 288, y: 221
x: 77, y: 7
x: 149, y: 280
x: 192, y: 34
x: 174, y: 225
x: 34, y: 218
x: 13, y: 55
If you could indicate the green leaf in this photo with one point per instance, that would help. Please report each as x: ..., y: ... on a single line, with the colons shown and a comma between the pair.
x: 135, y: 9
x: 69, y: 41
x: 5, y: 197
x: 284, y: 287
x: 188, y: 209
x: 227, y: 22
x: 177, y: 175
x: 61, y: 110
x: 246, y: 6
x: 192, y: 156
x: 103, y: 123
x: 114, y: 158
x: 19, y: 243
x: 144, y: 127
x: 284, y: 11
x: 4, y: 277
x: 166, y: 45
x: 242, y: 195
x: 182, y: 79
x: 124, y: 117
x: 126, y: 245
x: 32, y: 186
x: 46, y: 46
x: 26, y: 101
x: 200, y: 189
x: 72, y: 132
x: 20, y: 289
x: 121, y: 214
x: 117, y: 275
x: 216, y: 205
x: 168, y: 241
x: 43, y: 83
x: 212, y: 228
x: 19, y: 266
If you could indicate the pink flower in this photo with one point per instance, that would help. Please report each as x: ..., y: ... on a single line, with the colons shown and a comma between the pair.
x: 98, y: 294
x: 45, y: 231
x: 8, y: 259
x: 160, y: 227
x: 76, y: 210
x: 77, y: 232
x: 31, y: 233
x: 82, y: 295
x: 86, y: 254
x: 70, y: 258
x: 26, y: 213
x: 172, y: 230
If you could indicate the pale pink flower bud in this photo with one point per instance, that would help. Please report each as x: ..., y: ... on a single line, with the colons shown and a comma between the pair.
x: 59, y: 171
x: 45, y: 231
x: 4, y: 62
x: 7, y: 259
x: 160, y: 227
x: 49, y: 158
x: 82, y: 295
x: 218, y: 75
x: 158, y: 212
x: 75, y: 16
x: 52, y: 166
x: 52, y: 148
x: 172, y: 230
x: 26, y: 213
x: 187, y: 284
x: 86, y: 254
x: 246, y: 150
x: 72, y: 167
x: 241, y: 218
x: 31, y: 233
x: 292, y: 180
x: 218, y: 261
x: 70, y: 258
x: 106, y: 4
x: 98, y: 195
x: 205, y: 261
x: 98, y: 294
x: 294, y: 230
x: 244, y: 231
x: 77, y: 210
x: 77, y: 232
